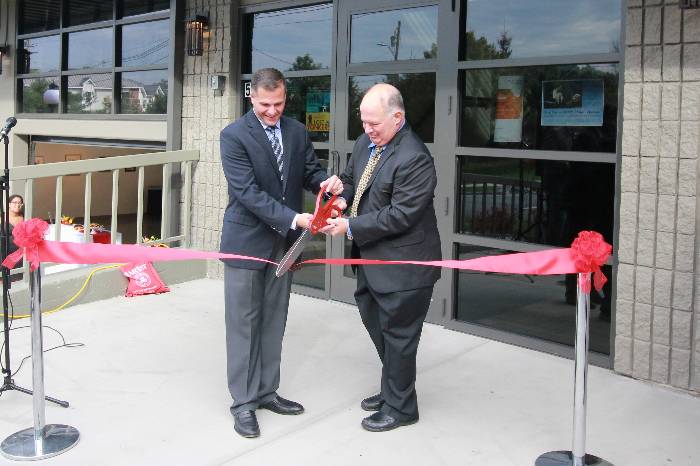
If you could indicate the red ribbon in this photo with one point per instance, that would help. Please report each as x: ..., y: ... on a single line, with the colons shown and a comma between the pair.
x: 588, y: 252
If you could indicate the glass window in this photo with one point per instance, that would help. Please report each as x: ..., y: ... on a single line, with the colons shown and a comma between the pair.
x: 557, y: 107
x: 39, y: 55
x: 144, y: 92
x: 538, y: 28
x: 145, y: 43
x: 406, y: 34
x: 88, y: 11
x: 536, y: 201
x: 538, y: 306
x: 90, y: 49
x: 420, y: 107
x: 291, y: 39
x: 313, y: 276
x: 308, y: 101
x: 138, y: 7
x: 39, y: 95
x: 90, y: 93
x: 38, y: 15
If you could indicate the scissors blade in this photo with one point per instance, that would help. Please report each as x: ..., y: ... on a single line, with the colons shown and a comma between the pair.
x: 293, y: 253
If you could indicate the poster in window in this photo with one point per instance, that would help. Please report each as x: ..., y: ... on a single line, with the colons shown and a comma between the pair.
x: 509, y: 109
x: 577, y: 102
x: 318, y: 110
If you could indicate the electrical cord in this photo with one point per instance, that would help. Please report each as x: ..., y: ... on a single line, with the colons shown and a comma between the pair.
x: 64, y: 344
x: 74, y: 297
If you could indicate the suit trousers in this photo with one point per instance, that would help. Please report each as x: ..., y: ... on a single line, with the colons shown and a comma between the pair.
x: 256, y: 316
x: 394, y: 322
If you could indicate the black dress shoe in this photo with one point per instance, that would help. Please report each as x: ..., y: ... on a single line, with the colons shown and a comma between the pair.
x: 372, y: 403
x: 281, y: 406
x: 246, y: 424
x: 381, y: 422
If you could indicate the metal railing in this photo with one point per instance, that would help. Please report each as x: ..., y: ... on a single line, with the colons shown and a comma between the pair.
x: 501, y: 206
x: 30, y: 173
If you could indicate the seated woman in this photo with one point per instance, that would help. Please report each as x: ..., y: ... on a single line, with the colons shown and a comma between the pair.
x: 16, y: 214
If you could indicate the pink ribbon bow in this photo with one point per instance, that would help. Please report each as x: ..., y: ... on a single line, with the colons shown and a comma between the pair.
x: 27, y: 236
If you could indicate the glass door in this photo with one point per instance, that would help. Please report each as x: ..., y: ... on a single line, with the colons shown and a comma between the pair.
x: 380, y: 41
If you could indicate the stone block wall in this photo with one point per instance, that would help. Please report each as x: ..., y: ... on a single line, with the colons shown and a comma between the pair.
x: 658, y: 292
x: 204, y: 115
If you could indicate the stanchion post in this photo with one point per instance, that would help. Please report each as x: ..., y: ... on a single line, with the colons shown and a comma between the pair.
x: 577, y: 456
x: 41, y: 441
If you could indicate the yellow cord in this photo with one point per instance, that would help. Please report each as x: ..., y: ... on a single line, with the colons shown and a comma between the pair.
x: 75, y: 296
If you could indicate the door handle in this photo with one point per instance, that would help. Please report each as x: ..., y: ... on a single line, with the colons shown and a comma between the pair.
x: 335, y: 162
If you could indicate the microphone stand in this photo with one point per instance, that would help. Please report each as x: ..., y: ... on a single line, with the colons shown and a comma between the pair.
x: 9, y: 384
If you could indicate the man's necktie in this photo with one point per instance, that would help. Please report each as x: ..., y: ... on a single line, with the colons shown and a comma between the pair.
x: 364, y: 179
x: 276, y: 147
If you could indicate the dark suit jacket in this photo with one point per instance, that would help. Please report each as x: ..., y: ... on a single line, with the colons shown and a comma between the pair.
x: 396, y: 218
x: 261, y: 207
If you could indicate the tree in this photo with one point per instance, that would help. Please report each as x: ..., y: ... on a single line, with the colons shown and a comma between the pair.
x: 481, y: 49
x: 305, y: 62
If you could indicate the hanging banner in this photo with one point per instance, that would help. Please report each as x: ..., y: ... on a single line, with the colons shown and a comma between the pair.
x: 577, y: 102
x: 509, y: 109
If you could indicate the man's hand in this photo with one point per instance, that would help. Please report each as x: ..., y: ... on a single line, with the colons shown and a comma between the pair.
x: 338, y: 206
x: 332, y: 185
x: 304, y: 220
x: 336, y: 226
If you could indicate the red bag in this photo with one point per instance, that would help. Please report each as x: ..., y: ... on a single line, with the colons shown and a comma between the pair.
x: 143, y: 279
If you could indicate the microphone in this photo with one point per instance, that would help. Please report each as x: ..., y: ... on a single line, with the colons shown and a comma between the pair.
x: 9, y: 124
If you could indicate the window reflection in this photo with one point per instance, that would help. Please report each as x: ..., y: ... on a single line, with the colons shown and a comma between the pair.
x: 90, y: 49
x: 138, y: 7
x: 313, y: 276
x: 88, y: 11
x: 90, y: 93
x: 538, y: 306
x: 39, y: 95
x: 538, y: 28
x: 38, y: 15
x: 291, y: 39
x: 536, y: 201
x: 144, y: 92
x: 406, y: 34
x: 145, y: 44
x: 505, y: 107
x: 420, y: 106
x: 39, y: 55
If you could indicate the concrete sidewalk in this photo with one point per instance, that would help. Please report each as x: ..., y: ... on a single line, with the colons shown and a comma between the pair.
x: 149, y: 388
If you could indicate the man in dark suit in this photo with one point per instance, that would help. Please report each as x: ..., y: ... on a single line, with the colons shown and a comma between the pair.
x: 268, y: 160
x: 390, y: 183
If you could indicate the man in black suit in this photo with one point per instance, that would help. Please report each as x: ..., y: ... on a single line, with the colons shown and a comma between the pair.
x: 268, y: 160
x: 390, y: 183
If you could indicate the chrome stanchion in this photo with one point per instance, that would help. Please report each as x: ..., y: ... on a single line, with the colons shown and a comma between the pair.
x: 578, y: 456
x: 41, y: 441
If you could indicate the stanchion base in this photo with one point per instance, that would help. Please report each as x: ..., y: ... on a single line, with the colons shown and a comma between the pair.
x: 57, y: 439
x: 566, y: 458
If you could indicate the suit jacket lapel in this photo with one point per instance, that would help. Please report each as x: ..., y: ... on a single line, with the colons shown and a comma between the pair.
x: 261, y: 137
x: 388, y: 151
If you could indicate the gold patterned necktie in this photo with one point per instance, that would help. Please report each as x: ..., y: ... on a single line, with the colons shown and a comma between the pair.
x: 364, y: 179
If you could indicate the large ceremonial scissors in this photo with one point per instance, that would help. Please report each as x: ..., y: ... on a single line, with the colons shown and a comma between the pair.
x: 322, y: 213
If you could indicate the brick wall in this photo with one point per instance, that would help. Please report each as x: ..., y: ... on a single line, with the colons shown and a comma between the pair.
x: 657, y: 321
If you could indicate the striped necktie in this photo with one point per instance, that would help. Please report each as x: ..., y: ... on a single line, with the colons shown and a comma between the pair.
x: 276, y: 147
x: 364, y: 179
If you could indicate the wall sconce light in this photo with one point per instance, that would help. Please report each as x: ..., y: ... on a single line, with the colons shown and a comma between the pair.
x: 194, y: 41
x: 689, y: 4
x: 4, y: 51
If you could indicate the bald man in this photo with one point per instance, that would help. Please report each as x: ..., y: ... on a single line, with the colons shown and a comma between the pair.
x: 389, y: 185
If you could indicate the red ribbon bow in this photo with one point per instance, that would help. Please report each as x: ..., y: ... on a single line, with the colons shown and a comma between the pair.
x: 589, y: 252
x: 27, y: 236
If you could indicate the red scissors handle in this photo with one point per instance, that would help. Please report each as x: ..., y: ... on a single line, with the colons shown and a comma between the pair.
x: 322, y: 213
